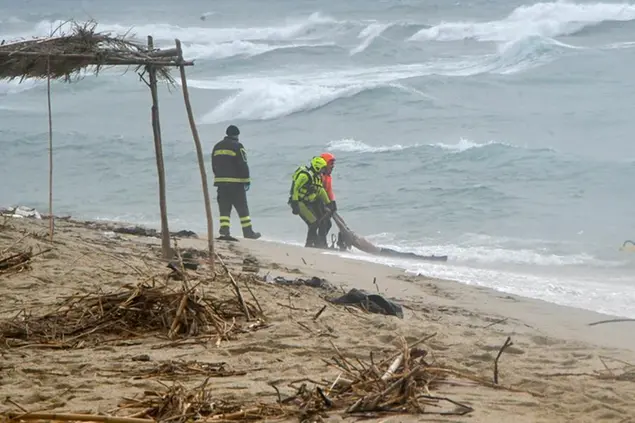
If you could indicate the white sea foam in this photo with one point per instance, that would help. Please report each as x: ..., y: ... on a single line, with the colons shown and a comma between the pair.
x: 540, y: 19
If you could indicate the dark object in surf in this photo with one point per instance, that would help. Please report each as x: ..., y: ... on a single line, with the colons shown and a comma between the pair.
x: 347, y: 239
x: 373, y: 303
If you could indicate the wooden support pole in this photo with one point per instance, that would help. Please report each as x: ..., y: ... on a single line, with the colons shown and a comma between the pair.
x: 48, y: 92
x: 199, y: 154
x: 156, y: 129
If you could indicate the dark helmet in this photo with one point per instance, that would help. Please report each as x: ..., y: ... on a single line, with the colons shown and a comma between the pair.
x: 232, y: 131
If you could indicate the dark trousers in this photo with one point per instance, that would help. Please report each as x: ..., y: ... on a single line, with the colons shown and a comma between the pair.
x: 233, y: 195
x: 313, y: 214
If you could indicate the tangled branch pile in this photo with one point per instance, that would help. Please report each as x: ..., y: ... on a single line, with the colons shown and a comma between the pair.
x: 69, y: 53
x: 400, y: 384
x: 133, y: 311
x: 15, y: 262
x: 179, y: 405
x: 397, y: 385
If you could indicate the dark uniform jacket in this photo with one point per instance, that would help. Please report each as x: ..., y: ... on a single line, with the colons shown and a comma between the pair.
x: 229, y: 162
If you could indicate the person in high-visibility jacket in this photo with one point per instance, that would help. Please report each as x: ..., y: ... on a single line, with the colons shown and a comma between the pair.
x: 309, y: 200
x: 232, y: 179
x: 327, y: 182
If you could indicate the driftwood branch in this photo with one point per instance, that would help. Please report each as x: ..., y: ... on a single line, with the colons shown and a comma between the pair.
x: 507, y: 344
x: 601, y: 322
x: 236, y: 287
x: 76, y: 417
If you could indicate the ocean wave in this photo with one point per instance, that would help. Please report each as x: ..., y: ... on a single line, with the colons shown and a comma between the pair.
x: 527, y: 53
x: 275, y: 96
x: 540, y: 19
x: 354, y: 146
x: 239, y: 48
x: 576, y: 290
x: 478, y: 248
x: 270, y: 100
x: 369, y: 34
x: 304, y: 28
x: 15, y: 87
x: 350, y: 145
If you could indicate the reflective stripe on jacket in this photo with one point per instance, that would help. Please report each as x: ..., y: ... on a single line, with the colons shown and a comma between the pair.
x: 229, y: 162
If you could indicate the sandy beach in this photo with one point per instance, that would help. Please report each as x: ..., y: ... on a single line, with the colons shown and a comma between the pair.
x: 558, y: 369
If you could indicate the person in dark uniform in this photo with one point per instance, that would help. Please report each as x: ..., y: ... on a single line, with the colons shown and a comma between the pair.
x: 232, y: 179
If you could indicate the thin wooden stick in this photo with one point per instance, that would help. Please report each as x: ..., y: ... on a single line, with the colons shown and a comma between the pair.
x: 48, y: 93
x: 243, y: 304
x: 199, y: 154
x: 76, y: 417
x: 156, y: 129
x: 508, y: 343
x: 611, y: 321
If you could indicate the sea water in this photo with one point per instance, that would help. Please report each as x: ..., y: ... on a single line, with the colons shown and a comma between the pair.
x: 497, y: 132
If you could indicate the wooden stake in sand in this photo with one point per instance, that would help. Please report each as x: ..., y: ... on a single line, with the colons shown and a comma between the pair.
x: 48, y: 93
x: 156, y: 128
x: 199, y: 154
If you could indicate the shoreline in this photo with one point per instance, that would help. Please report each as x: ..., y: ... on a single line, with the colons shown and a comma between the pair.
x: 490, y: 300
x: 555, y: 371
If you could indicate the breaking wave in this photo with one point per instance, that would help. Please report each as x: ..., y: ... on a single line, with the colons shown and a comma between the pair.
x: 541, y: 19
x: 353, y: 146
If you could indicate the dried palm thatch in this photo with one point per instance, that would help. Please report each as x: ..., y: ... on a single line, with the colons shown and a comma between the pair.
x: 179, y: 404
x: 132, y: 311
x: 64, y: 55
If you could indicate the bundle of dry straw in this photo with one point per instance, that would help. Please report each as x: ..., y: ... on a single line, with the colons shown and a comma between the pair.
x: 64, y: 55
x: 133, y: 311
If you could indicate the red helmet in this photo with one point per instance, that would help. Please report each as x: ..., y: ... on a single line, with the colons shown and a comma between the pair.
x: 328, y: 157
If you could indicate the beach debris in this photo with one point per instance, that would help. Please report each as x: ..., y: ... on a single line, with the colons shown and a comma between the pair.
x: 624, y: 372
x: 17, y: 262
x: 179, y: 405
x: 136, y: 230
x: 130, y: 312
x: 239, y: 294
x: 619, y: 320
x: 313, y: 282
x: 21, y: 212
x: 372, y: 303
x: 251, y: 264
x: 174, y: 369
x: 508, y: 343
x: 398, y: 384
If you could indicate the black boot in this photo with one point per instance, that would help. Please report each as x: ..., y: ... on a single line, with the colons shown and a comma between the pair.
x: 224, y: 231
x: 320, y: 242
x: 311, y: 238
x: 250, y: 234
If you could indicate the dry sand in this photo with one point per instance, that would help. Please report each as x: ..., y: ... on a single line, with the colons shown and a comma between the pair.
x: 555, y: 354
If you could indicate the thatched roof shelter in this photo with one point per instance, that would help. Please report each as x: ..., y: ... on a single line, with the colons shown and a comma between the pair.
x: 63, y: 56
x: 81, y: 48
